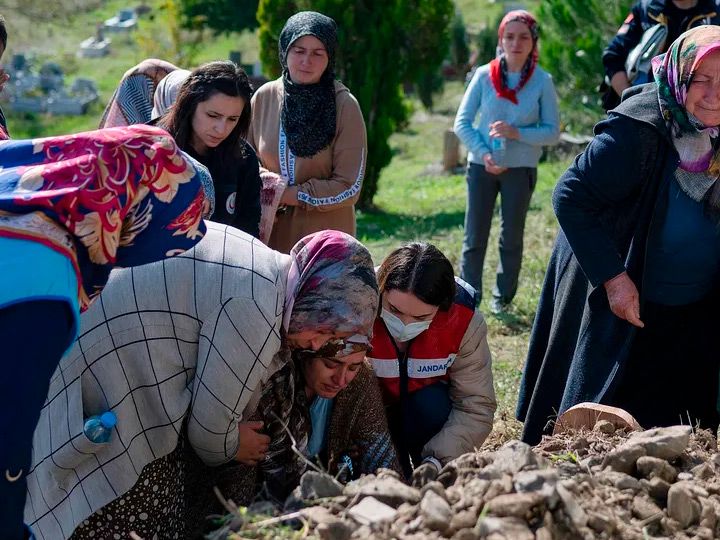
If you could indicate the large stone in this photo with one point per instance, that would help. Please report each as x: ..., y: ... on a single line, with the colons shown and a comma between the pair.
x: 657, y: 488
x: 682, y: 505
x: 623, y: 458
x: 388, y: 490
x: 573, y: 510
x: 619, y: 480
x: 513, y: 457
x: 542, y: 481
x: 464, y: 519
x: 435, y: 511
x: 514, y: 504
x: 652, y: 467
x: 335, y: 530
x: 315, y: 485
x: 665, y: 443
x: 642, y: 508
x: 371, y: 511
x: 495, y: 528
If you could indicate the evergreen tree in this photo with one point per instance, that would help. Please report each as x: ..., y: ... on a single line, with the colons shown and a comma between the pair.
x: 219, y: 15
x: 383, y: 43
x: 574, y: 34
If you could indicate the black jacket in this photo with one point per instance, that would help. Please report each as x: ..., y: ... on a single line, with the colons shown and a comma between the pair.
x: 605, y: 203
x: 237, y: 189
x: 647, y: 13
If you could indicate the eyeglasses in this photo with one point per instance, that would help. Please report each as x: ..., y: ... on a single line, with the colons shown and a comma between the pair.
x: 336, y: 348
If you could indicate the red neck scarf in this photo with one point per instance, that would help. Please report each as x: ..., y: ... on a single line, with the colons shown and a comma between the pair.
x: 498, y: 66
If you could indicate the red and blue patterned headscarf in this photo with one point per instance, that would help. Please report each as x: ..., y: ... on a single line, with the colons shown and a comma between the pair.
x: 498, y: 66
x: 674, y: 73
x: 114, y: 197
x: 331, y: 286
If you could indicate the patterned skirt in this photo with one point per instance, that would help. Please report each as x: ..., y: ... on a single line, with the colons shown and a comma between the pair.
x: 153, y: 509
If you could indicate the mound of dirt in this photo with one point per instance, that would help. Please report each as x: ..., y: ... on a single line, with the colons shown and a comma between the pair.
x: 660, y: 483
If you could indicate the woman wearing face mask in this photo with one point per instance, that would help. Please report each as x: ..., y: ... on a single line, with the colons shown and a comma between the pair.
x: 309, y: 133
x: 430, y: 353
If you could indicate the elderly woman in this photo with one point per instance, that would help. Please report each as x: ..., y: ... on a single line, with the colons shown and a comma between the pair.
x: 628, y: 312
x: 517, y: 107
x: 308, y: 131
x: 185, y: 344
x: 71, y: 209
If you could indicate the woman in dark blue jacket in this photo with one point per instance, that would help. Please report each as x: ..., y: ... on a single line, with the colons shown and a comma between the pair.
x: 627, y: 312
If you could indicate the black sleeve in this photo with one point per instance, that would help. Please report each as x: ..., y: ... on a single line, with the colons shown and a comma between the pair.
x: 247, y: 202
x: 604, y: 176
x: 627, y: 37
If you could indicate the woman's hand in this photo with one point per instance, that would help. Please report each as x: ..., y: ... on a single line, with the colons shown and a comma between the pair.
x: 490, y: 166
x: 289, y: 196
x: 503, y: 129
x: 253, y: 445
x: 624, y: 299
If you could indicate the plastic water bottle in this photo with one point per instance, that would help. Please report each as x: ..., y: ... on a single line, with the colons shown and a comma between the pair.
x: 498, y: 145
x: 98, y: 428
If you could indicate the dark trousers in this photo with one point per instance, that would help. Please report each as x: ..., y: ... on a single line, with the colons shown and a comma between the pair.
x: 671, y: 376
x: 515, y: 187
x: 416, y: 419
x: 34, y: 335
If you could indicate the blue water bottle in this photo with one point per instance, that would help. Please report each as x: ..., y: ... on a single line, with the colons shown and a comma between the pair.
x: 98, y: 428
x: 498, y: 150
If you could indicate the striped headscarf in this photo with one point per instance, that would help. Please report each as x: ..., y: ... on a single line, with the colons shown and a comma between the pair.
x: 498, y: 66
x: 132, y: 101
x: 674, y: 73
x: 331, y: 286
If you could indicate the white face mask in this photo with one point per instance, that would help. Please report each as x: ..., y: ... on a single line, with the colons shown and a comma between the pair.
x: 400, y: 330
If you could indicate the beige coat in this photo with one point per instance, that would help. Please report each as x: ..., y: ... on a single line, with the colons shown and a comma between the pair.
x: 472, y: 395
x: 329, y: 182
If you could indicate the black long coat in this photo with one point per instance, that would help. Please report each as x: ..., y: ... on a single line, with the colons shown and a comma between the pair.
x: 605, y: 203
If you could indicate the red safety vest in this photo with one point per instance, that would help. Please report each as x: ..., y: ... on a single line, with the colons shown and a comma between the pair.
x: 428, y: 356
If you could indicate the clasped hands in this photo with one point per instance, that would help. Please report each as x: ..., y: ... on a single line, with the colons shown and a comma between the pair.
x: 253, y: 445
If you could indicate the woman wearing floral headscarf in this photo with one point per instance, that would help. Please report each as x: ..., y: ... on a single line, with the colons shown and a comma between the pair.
x: 71, y: 209
x: 179, y: 350
x: 628, y: 313
x: 309, y: 133
x: 517, y: 107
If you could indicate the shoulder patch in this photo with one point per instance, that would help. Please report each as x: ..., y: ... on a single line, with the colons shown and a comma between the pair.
x: 465, y: 294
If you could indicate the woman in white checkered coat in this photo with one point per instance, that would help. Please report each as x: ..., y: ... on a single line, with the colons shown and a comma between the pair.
x: 187, y: 341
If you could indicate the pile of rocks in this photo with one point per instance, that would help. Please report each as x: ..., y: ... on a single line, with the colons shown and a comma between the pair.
x: 661, y: 483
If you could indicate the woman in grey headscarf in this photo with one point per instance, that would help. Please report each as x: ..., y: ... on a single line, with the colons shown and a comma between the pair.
x: 167, y: 91
x: 309, y: 134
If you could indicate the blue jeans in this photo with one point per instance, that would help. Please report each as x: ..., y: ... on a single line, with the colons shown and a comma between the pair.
x: 515, y: 187
x: 416, y: 419
x: 34, y: 335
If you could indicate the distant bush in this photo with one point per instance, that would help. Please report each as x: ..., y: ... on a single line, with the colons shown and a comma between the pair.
x: 573, y: 36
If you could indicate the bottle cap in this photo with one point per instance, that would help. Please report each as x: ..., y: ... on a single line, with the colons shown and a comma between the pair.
x: 108, y: 419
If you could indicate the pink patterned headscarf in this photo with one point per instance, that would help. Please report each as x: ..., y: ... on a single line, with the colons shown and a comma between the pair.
x: 331, y: 286
x: 674, y: 73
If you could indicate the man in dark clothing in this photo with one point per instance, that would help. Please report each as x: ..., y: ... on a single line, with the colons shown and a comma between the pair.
x: 3, y: 76
x: 677, y: 15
